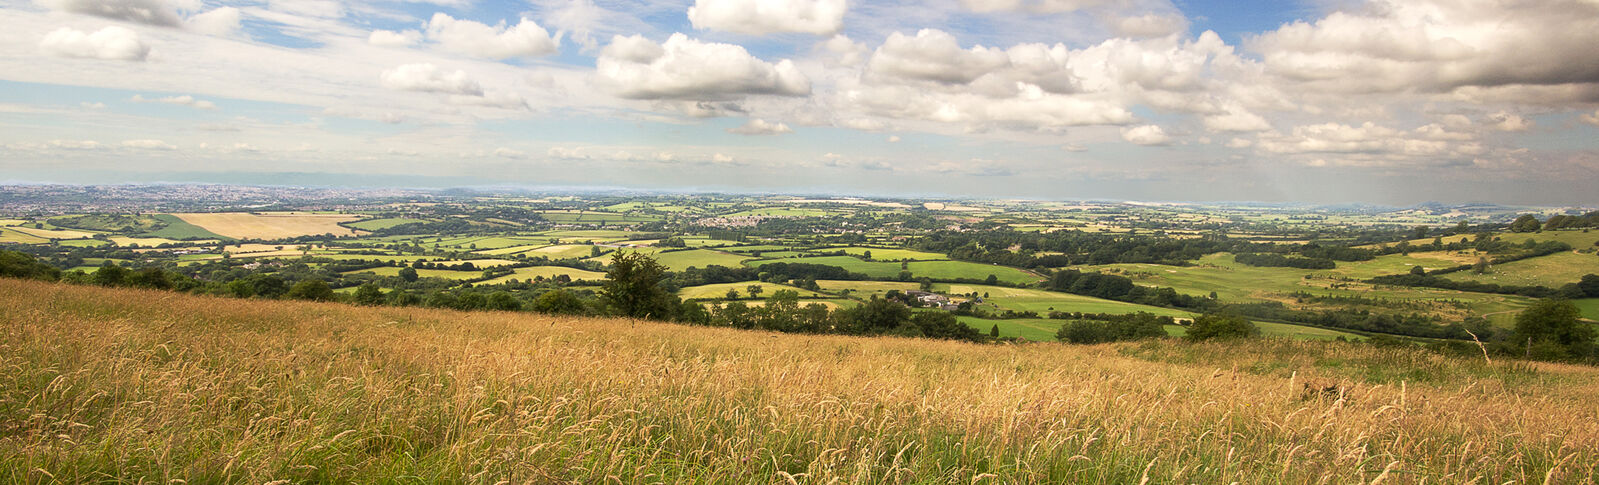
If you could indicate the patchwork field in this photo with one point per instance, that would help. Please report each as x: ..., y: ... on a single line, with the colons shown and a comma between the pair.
x: 682, y: 260
x: 548, y: 272
x: 383, y: 223
x: 53, y: 233
x: 264, y: 391
x: 154, y: 241
x: 885, y: 254
x: 271, y: 225
x: 425, y: 273
x: 11, y: 235
x: 945, y: 270
x: 177, y: 228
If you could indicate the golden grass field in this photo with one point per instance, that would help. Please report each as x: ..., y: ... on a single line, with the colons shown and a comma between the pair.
x: 134, y: 386
x: 271, y: 225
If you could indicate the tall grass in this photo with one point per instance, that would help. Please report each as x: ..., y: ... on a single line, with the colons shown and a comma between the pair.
x: 143, y: 386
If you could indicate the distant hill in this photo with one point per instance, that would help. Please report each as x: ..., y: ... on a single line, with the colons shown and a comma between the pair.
x: 154, y: 386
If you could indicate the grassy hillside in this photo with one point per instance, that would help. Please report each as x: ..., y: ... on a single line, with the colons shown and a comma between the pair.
x: 151, y: 386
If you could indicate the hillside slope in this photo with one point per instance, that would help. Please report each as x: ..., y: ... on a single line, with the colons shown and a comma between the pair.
x: 154, y: 386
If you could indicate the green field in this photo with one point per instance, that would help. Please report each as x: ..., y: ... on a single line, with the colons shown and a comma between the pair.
x: 9, y: 235
x: 84, y: 243
x: 1043, y: 329
x: 938, y: 270
x: 891, y: 254
x: 1589, y: 307
x: 178, y: 229
x: 719, y: 291
x: 425, y: 273
x: 681, y: 260
x: 1552, y: 271
x: 548, y: 272
x: 1043, y: 302
x: 383, y: 223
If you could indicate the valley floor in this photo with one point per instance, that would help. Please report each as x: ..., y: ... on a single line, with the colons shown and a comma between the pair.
x: 147, y: 386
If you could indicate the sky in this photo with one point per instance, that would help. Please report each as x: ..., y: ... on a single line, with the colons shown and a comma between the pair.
x: 1323, y: 101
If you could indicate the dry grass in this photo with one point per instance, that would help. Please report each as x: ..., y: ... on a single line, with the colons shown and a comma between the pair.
x: 275, y: 225
x: 150, y: 387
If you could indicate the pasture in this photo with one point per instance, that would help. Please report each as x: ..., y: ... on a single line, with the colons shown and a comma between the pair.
x: 938, y: 270
x: 270, y: 225
x: 890, y: 254
x: 152, y: 386
x: 424, y: 273
x: 682, y: 260
x: 1551, y: 270
x: 381, y: 223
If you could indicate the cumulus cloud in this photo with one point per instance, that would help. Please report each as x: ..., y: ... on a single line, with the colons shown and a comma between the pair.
x: 510, y: 153
x: 1369, y: 144
x: 223, y: 21
x: 111, y: 43
x: 688, y: 69
x: 1437, y: 45
x: 760, y: 17
x: 389, y: 38
x: 525, y: 39
x: 430, y: 79
x: 1149, y: 25
x: 841, y: 51
x: 147, y: 144
x: 1147, y: 135
x: 1590, y: 118
x: 933, y: 55
x: 759, y: 126
x: 152, y: 12
x: 1236, y: 119
x: 184, y: 100
x: 893, y: 138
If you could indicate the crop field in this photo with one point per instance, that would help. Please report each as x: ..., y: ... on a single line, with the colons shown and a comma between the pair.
x: 382, y: 223
x: 84, y: 243
x: 1589, y: 307
x: 592, y: 217
x: 1043, y: 302
x: 563, y: 251
x: 865, y: 289
x: 681, y: 260
x: 1043, y: 329
x: 832, y: 304
x: 1551, y: 270
x: 701, y: 242
x: 11, y: 235
x: 154, y: 241
x: 155, y: 387
x: 273, y: 225
x: 548, y: 272
x: 719, y: 291
x: 53, y: 233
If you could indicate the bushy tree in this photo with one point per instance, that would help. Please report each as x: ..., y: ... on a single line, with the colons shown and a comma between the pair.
x: 408, y: 274
x: 1525, y: 223
x: 368, y: 294
x: 1220, y: 326
x: 17, y: 264
x: 1552, y: 330
x: 311, y: 289
x: 632, y: 287
x: 559, y: 302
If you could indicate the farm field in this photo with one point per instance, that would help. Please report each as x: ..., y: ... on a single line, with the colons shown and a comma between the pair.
x: 548, y: 272
x: 1043, y: 302
x: 718, y: 291
x: 425, y: 273
x: 11, y: 235
x: 681, y: 260
x: 754, y: 406
x: 937, y: 270
x: 177, y: 228
x: 382, y: 223
x: 1589, y: 307
x: 1551, y: 270
x: 53, y: 233
x: 831, y: 304
x: 562, y: 251
x: 271, y: 225
x: 155, y: 241
x: 889, y: 254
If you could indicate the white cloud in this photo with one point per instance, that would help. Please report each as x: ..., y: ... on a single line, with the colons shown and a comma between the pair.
x: 893, y: 138
x: 147, y: 144
x: 1236, y: 119
x: 1507, y: 121
x: 1370, y: 144
x: 933, y: 55
x: 720, y: 158
x: 760, y: 17
x: 510, y: 153
x: 688, y: 69
x: 759, y: 126
x: 1438, y: 45
x: 1147, y: 135
x: 94, y: 105
x: 430, y: 79
x: 842, y: 51
x: 1590, y: 118
x: 112, y: 43
x: 185, y: 100
x: 152, y: 12
x: 525, y: 39
x: 389, y: 38
x: 223, y: 22
x: 1239, y: 143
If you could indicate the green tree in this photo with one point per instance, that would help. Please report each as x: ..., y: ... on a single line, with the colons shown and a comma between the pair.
x: 1418, y: 270
x: 1214, y: 325
x: 109, y: 274
x: 408, y: 274
x: 632, y: 287
x: 945, y: 326
x: 754, y: 291
x: 1525, y: 223
x: 16, y: 264
x: 1589, y: 285
x: 368, y: 294
x: 559, y: 302
x: 503, y: 301
x: 311, y: 289
x: 994, y: 332
x: 1553, y: 331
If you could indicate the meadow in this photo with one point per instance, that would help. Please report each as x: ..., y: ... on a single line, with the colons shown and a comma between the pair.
x: 548, y: 272
x: 145, y: 386
x: 177, y: 228
x: 938, y: 270
x: 1551, y: 270
x: 718, y: 291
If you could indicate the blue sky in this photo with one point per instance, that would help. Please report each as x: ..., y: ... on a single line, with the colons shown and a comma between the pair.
x: 1317, y: 101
